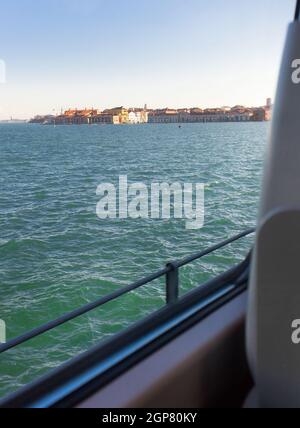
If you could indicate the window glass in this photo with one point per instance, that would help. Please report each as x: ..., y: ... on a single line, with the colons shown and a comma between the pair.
x: 102, y: 105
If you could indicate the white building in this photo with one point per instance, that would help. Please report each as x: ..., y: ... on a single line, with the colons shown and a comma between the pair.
x: 134, y: 117
x: 137, y: 116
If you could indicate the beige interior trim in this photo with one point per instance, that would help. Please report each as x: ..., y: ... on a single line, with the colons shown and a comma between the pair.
x: 203, y: 367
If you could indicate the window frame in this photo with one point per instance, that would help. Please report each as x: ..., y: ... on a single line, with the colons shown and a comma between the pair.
x: 83, y: 375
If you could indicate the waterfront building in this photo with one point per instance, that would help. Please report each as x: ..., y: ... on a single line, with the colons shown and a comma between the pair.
x: 122, y: 112
x: 144, y: 115
x: 137, y: 115
x: 196, y: 110
x: 163, y: 116
x: 197, y: 115
x: 238, y: 109
x: 105, y: 119
x: 121, y: 115
x: 261, y: 114
x: 134, y: 117
x: 76, y: 117
x: 268, y: 109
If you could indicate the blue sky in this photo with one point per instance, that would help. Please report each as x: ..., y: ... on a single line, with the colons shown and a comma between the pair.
x: 102, y: 53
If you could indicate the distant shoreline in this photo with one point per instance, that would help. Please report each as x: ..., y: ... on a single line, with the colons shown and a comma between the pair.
x: 13, y: 122
x: 179, y: 125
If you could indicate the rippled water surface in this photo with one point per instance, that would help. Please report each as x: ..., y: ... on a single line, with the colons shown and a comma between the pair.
x: 56, y: 255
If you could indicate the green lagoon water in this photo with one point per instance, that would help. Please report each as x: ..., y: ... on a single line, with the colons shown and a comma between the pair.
x: 56, y: 255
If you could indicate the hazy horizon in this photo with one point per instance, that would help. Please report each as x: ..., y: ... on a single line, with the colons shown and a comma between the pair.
x: 63, y: 54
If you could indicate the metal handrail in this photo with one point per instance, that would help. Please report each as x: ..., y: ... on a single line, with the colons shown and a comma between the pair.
x: 171, y: 272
